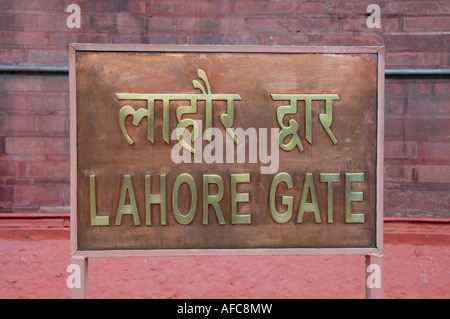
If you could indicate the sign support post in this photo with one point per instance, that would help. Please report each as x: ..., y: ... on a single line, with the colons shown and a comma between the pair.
x: 374, y: 283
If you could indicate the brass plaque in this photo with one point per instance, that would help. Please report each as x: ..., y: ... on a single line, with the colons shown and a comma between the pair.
x: 225, y: 148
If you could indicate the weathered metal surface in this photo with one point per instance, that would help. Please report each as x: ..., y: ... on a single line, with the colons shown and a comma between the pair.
x: 118, y: 182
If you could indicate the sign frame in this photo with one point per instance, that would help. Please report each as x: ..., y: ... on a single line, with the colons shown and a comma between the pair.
x: 81, y: 256
x: 227, y: 49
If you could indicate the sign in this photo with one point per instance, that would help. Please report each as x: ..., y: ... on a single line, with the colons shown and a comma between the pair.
x: 211, y: 150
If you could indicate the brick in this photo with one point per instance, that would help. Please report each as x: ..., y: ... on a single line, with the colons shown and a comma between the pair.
x: 104, y: 22
x: 336, y: 38
x: 417, y: 200
x: 12, y: 169
x: 364, y: 40
x: 404, y: 59
x: 417, y: 129
x: 438, y: 151
x: 395, y: 105
x: 16, y: 21
x: 56, y: 83
x: 427, y: 105
x: 85, y: 5
x: 137, y: 6
x: 105, y: 5
x: 131, y: 38
x: 268, y: 24
x: 433, y: 173
x: 408, y: 88
x: 37, y: 145
x: 437, y: 59
x: 2, y: 145
x: 35, y: 103
x: 48, y: 169
x: 7, y: 5
x: 426, y: 129
x: 283, y: 39
x: 52, y: 21
x: 15, y: 123
x: 395, y: 173
x: 9, y: 56
x: 417, y: 173
x: 418, y: 105
x: 416, y: 42
x: 53, y: 124
x: 224, y: 24
x: 50, y: 57
x: 348, y: 8
x: 133, y: 6
x: 63, y: 39
x: 160, y: 37
x: 224, y: 38
x: 28, y: 195
x: 8, y: 168
x: 48, y: 5
x: 20, y: 82
x: 440, y: 23
x: 6, y: 198
x: 66, y: 196
x: 28, y: 38
x: 127, y: 23
x: 165, y: 8
x: 192, y: 8
x: 442, y: 88
x: 415, y: 7
x: 57, y: 157
x: 273, y: 8
x: 390, y: 24
x: 309, y: 24
x: 162, y: 23
x: 7, y: 37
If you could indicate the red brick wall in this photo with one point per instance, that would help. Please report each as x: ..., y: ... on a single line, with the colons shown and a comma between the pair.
x: 34, y: 108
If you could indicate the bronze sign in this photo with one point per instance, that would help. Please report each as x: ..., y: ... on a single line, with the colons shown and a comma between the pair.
x: 226, y: 148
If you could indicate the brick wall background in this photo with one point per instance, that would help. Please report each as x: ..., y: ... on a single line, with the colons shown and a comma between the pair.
x: 34, y: 107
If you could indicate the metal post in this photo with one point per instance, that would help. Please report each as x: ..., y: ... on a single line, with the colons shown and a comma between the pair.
x: 374, y: 277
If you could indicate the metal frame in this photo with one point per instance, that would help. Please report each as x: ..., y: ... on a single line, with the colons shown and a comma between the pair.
x: 373, y: 255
